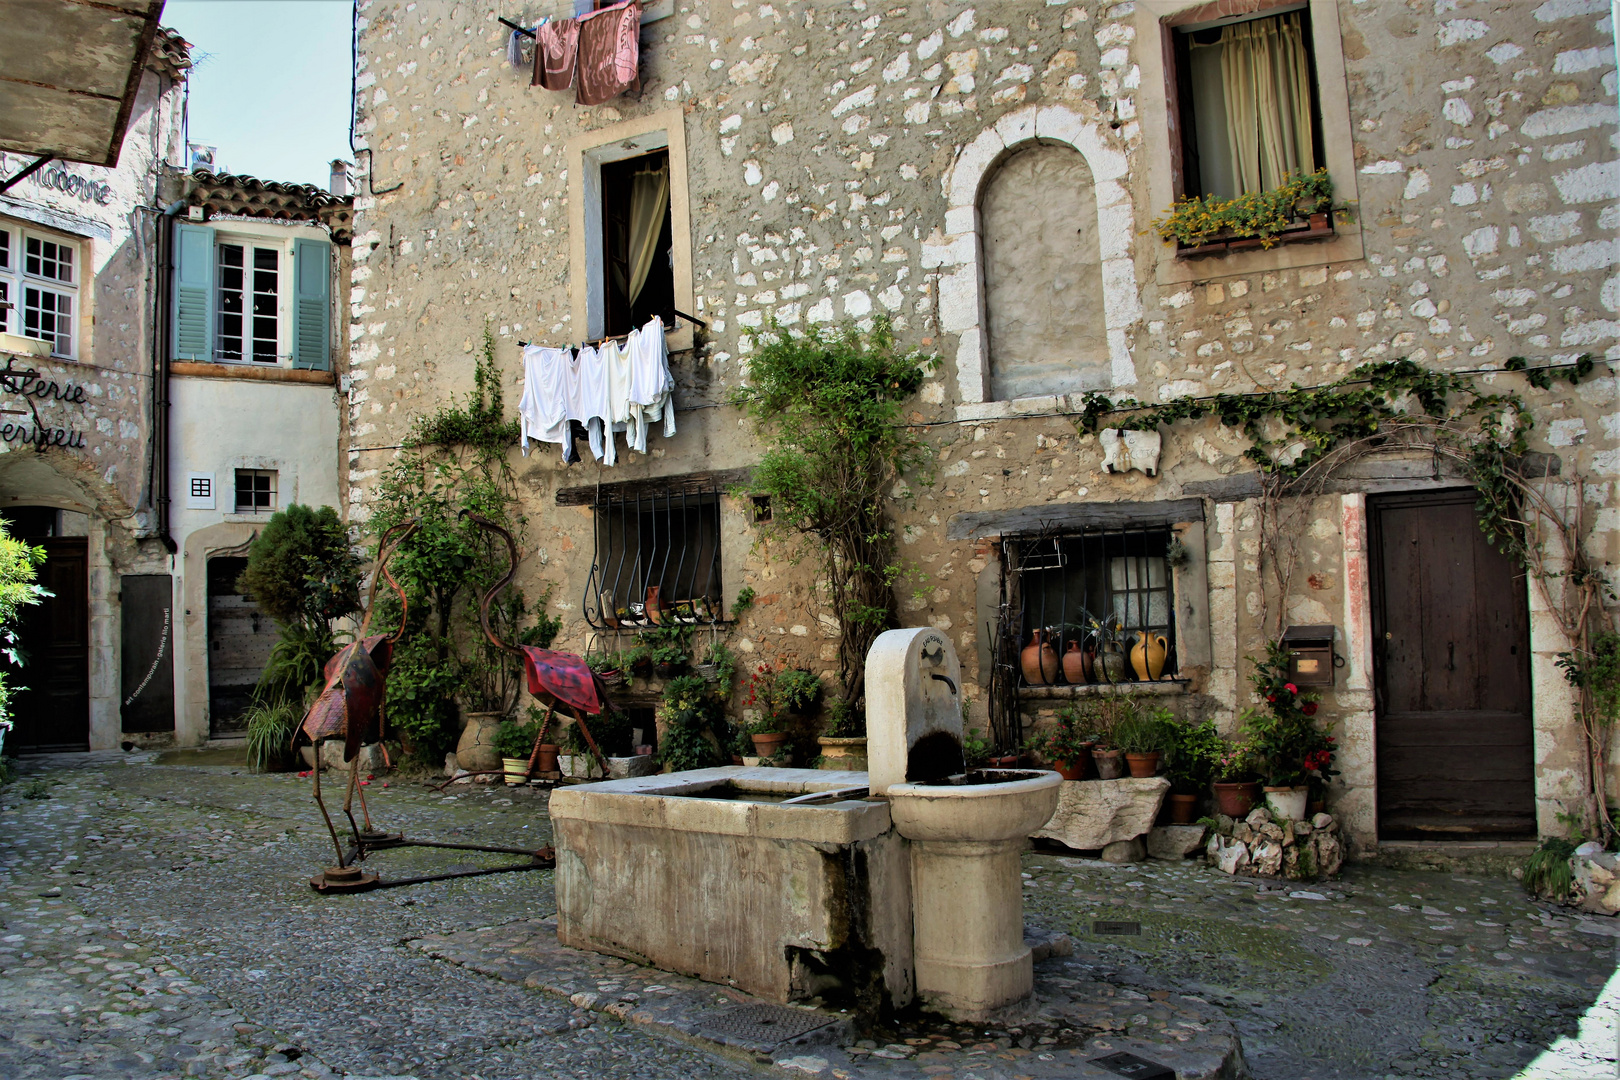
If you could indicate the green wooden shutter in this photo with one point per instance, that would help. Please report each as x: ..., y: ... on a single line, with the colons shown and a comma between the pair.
x: 193, y: 307
x: 312, y: 304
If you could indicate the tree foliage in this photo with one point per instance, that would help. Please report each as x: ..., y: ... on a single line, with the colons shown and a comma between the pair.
x: 454, y: 464
x: 19, y: 588
x: 828, y: 405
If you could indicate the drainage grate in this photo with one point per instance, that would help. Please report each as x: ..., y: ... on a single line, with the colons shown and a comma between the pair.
x: 764, y: 1025
x: 1102, y: 926
x: 1134, y: 1067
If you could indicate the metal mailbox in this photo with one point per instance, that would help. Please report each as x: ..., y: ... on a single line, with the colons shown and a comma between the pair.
x: 1310, y: 654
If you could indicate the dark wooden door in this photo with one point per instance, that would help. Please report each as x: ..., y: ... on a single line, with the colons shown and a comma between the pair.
x: 1452, y: 663
x: 53, y: 713
x: 240, y: 638
x: 147, y: 652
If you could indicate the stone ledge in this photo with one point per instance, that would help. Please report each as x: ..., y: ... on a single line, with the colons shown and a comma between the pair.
x: 1164, y: 687
x: 190, y: 370
x: 1091, y: 814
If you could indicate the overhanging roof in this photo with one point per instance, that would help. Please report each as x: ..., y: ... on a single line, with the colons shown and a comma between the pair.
x: 69, y: 71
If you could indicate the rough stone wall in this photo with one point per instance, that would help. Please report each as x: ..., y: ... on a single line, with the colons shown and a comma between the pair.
x: 824, y: 141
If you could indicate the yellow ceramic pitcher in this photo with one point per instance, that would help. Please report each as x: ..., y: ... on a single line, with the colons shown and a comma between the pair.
x: 1147, y: 656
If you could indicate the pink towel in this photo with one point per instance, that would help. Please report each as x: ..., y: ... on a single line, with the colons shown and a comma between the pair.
x: 609, y: 52
x: 556, y: 44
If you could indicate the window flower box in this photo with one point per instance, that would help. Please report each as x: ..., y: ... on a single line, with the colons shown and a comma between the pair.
x: 1318, y: 226
x: 1300, y: 209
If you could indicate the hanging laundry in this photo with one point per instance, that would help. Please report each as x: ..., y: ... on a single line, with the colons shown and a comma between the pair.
x: 652, y: 387
x: 520, y: 45
x: 609, y: 53
x: 556, y: 48
x: 543, y: 408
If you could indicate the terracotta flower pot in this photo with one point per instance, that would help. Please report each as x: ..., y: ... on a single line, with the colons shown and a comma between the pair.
x: 1071, y: 770
x: 1143, y: 765
x: 767, y: 745
x: 1074, y: 664
x: 848, y: 754
x: 475, y: 750
x: 1005, y: 761
x: 1236, y: 800
x: 1183, y: 809
x: 1110, y: 764
x: 546, y: 761
x: 1039, y: 661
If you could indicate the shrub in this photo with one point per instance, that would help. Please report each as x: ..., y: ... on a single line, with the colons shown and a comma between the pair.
x: 514, y: 739
x: 270, y: 727
x: 1547, y: 871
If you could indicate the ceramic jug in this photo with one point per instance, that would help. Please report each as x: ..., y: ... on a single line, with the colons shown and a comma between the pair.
x: 1147, y: 656
x: 1039, y: 661
x: 1074, y: 664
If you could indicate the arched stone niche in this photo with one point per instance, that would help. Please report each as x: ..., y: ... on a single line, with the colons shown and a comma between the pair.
x: 960, y: 252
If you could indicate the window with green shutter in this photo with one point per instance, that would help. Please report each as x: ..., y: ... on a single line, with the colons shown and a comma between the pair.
x: 312, y: 304
x: 193, y: 322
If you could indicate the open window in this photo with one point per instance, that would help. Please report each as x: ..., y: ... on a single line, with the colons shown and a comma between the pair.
x: 638, y: 274
x: 1247, y: 105
x: 630, y: 229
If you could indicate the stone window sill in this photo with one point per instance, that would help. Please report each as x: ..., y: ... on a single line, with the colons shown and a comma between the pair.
x: 1162, y: 688
x: 193, y: 370
x: 1320, y: 227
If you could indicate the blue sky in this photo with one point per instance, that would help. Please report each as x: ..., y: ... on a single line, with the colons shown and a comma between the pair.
x: 271, y: 85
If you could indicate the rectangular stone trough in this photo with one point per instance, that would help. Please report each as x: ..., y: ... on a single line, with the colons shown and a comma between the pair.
x: 707, y: 874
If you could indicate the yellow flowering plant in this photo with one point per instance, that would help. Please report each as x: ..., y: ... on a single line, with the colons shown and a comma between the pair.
x: 1195, y: 221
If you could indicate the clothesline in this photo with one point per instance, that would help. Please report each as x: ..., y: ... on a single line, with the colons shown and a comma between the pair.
x: 597, y: 392
x: 677, y: 312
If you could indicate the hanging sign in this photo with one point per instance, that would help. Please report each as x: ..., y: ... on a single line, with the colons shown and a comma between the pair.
x: 35, y: 388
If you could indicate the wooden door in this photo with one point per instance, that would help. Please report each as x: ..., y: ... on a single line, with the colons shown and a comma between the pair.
x: 1452, y: 664
x: 240, y: 638
x: 53, y: 713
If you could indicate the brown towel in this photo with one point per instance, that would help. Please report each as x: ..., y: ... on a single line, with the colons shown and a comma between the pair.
x: 556, y: 44
x: 609, y: 53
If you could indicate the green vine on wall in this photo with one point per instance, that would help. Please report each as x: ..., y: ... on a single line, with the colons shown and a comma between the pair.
x: 1299, y: 437
x: 828, y: 406
x: 454, y: 461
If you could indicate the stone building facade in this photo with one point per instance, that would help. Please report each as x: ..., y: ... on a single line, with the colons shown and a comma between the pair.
x: 986, y: 177
x: 124, y: 446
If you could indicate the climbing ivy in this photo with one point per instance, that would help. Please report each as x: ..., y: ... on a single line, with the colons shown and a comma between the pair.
x: 1300, y: 436
x: 828, y: 406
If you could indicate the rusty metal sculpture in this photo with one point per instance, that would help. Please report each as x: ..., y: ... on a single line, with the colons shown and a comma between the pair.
x: 350, y: 707
x: 557, y: 678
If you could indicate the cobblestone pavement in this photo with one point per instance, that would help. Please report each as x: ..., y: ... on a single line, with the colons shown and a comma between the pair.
x: 155, y: 921
x: 1381, y: 973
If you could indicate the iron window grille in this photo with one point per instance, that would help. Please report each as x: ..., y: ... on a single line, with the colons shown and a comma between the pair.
x: 255, y: 490
x: 657, y: 561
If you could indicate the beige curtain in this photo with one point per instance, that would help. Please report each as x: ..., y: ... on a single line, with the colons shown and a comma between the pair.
x: 1266, y: 77
x: 649, y: 202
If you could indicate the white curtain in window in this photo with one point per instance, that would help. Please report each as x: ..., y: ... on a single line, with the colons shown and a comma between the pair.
x: 649, y: 202
x: 1137, y: 585
x: 1265, y: 73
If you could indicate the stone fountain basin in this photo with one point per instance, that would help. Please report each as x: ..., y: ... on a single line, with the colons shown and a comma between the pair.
x: 984, y: 805
x: 709, y: 873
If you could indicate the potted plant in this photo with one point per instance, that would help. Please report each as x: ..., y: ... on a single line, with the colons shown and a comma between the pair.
x: 1235, y: 784
x: 514, y: 741
x: 1205, y: 224
x: 843, y: 744
x: 1099, y: 717
x: 1192, y: 756
x: 637, y: 660
x: 718, y: 666
x: 1142, y: 736
x: 609, y: 666
x: 1068, y: 745
x: 767, y: 731
x: 767, y: 736
x: 1107, y: 637
x: 1288, y: 743
x: 798, y: 690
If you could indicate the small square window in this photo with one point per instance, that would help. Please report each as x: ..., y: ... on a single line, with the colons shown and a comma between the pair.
x: 199, y: 491
x: 202, y: 487
x: 255, y: 490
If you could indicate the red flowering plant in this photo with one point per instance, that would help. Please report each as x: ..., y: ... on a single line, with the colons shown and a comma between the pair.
x: 759, y: 693
x: 1287, y: 743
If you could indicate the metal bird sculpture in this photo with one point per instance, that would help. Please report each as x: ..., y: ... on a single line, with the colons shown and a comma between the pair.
x: 558, y: 678
x: 350, y: 705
